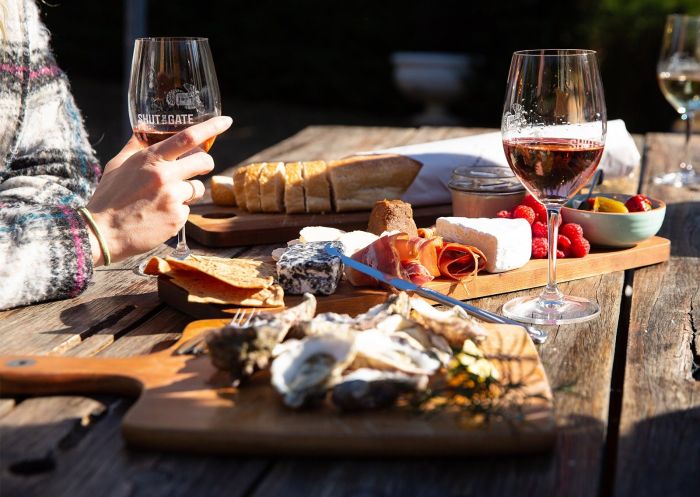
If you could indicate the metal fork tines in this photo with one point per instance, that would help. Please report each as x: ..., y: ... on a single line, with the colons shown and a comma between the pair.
x: 197, y: 345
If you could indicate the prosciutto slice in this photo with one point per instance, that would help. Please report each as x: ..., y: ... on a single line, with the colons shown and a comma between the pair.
x: 457, y: 261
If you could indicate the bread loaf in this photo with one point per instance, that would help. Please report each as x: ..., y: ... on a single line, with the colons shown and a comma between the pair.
x: 271, y: 179
x: 392, y: 215
x: 239, y: 186
x: 360, y: 181
x: 222, y: 190
x: 294, y: 188
x: 252, y: 187
x: 316, y: 187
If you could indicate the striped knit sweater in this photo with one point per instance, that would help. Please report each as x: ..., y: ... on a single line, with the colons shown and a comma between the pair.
x: 48, y: 169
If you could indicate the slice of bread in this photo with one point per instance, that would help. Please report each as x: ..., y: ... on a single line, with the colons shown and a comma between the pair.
x: 316, y: 187
x: 239, y: 186
x: 252, y: 187
x: 271, y: 180
x: 222, y: 190
x: 360, y: 181
x: 294, y: 188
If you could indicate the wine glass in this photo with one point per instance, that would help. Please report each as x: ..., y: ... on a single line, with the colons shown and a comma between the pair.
x: 553, y: 127
x: 173, y: 86
x: 678, y: 72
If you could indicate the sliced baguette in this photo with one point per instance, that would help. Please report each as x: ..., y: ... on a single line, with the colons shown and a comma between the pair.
x: 316, y: 187
x: 272, y: 187
x: 360, y: 181
x: 252, y: 187
x: 239, y: 186
x: 222, y: 190
x: 294, y: 188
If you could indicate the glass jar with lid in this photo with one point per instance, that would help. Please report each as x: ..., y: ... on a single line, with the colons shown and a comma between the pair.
x: 484, y: 190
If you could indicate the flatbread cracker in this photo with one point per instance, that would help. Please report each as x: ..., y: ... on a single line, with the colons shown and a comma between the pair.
x: 240, y: 273
x: 202, y: 288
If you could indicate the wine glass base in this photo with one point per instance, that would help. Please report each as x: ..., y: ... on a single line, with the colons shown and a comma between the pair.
x: 141, y: 268
x: 679, y: 179
x: 180, y: 252
x: 565, y: 311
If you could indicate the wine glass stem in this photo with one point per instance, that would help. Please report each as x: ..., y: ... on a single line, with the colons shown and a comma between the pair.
x: 687, y: 164
x: 182, y: 250
x: 551, y: 293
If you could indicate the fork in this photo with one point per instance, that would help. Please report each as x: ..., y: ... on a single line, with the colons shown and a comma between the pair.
x: 197, y: 345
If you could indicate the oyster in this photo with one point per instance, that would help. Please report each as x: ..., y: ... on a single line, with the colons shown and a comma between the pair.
x: 328, y: 322
x: 372, y: 389
x: 454, y: 324
x: 305, y: 369
x: 380, y: 350
x: 398, y: 303
x: 242, y: 350
x: 432, y: 343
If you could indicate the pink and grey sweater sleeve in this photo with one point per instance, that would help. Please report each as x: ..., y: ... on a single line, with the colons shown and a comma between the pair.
x: 49, y: 171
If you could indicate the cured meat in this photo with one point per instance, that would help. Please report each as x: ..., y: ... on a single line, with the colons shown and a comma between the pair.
x: 380, y: 254
x: 457, y: 261
x: 423, y: 250
x: 416, y: 272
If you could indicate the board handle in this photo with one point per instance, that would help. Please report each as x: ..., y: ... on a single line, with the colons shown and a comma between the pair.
x: 35, y: 375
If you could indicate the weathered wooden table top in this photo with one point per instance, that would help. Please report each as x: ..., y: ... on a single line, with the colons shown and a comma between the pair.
x: 627, y: 394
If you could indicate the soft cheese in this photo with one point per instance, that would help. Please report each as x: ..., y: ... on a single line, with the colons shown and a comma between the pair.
x: 506, y: 243
x: 307, y: 267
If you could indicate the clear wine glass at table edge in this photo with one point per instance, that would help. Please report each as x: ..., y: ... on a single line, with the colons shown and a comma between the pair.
x: 678, y: 72
x: 553, y: 127
x: 173, y: 86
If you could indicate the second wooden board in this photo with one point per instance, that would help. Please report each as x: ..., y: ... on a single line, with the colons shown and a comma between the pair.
x: 216, y: 226
x: 351, y: 300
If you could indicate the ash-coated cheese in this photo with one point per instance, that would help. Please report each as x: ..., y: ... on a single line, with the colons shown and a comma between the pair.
x: 506, y: 243
x: 306, y: 267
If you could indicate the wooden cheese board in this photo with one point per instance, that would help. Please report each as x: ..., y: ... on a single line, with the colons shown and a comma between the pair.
x: 351, y: 300
x: 216, y: 226
x: 185, y: 404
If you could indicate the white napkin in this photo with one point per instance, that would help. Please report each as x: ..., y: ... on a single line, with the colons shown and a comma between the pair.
x: 439, y: 158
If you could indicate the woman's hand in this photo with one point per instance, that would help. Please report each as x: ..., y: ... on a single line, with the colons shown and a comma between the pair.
x: 141, y: 200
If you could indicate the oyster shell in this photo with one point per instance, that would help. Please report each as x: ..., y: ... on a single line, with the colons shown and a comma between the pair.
x: 454, y: 324
x: 305, y: 369
x: 242, y: 350
x: 328, y: 322
x: 373, y: 389
x: 432, y: 343
x: 399, y: 303
x: 380, y: 350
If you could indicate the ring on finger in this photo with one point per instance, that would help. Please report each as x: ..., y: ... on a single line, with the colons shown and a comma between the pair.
x: 194, y: 191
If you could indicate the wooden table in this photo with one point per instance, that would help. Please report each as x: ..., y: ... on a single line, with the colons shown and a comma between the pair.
x: 626, y: 385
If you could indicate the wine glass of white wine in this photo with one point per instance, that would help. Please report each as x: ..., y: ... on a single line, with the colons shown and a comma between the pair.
x: 678, y: 72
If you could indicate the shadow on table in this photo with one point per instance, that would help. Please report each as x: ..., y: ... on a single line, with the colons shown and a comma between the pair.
x: 682, y: 226
x: 661, y: 456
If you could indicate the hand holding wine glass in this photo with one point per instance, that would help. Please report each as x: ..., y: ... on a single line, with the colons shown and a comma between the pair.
x: 678, y: 72
x: 553, y: 127
x: 173, y: 86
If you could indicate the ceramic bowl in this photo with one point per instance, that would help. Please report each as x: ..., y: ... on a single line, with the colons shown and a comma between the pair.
x: 609, y: 229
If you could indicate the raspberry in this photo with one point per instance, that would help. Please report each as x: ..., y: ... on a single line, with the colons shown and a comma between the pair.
x: 503, y: 214
x: 541, y: 212
x: 571, y: 231
x: 530, y: 201
x: 563, y: 246
x: 539, y: 248
x: 539, y: 229
x: 525, y: 212
x: 560, y: 254
x: 580, y: 247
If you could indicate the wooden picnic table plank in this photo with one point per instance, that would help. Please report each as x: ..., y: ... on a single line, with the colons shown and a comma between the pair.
x: 659, y: 444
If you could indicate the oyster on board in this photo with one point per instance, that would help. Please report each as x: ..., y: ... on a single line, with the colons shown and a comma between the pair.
x: 393, y: 351
x: 454, y: 324
x: 373, y: 389
x: 305, y: 369
x: 242, y: 350
x: 395, y: 304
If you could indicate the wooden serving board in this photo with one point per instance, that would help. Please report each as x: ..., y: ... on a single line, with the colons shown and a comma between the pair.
x: 216, y: 226
x: 351, y: 300
x: 185, y: 404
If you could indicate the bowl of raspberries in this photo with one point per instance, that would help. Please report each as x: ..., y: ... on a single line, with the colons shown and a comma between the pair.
x: 571, y: 242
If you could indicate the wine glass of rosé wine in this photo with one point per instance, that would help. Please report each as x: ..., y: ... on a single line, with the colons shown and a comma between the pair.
x: 553, y: 127
x: 678, y: 72
x: 173, y: 86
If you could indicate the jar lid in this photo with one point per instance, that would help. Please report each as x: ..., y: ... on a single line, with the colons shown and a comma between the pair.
x: 485, y: 178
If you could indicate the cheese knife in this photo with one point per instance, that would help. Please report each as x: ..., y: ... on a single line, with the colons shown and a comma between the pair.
x: 537, y: 335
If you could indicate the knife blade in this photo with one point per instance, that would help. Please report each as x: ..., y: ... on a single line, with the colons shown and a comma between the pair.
x: 537, y: 335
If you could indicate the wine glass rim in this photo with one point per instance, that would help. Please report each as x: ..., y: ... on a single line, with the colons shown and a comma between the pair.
x: 554, y: 52
x: 172, y: 38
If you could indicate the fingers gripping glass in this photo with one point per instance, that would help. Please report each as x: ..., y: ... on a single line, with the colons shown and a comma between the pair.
x: 553, y: 127
x: 173, y: 86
